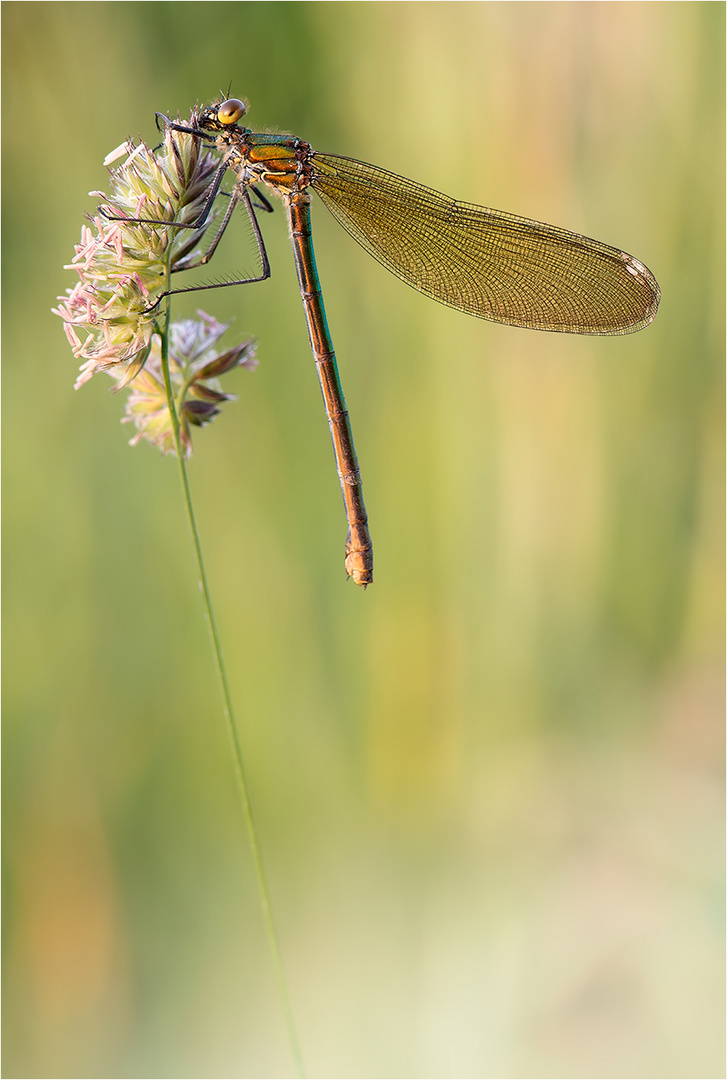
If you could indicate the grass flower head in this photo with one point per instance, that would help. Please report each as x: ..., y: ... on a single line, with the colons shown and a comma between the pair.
x: 194, y: 367
x: 123, y: 262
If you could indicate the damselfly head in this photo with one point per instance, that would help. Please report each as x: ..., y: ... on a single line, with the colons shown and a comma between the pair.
x: 222, y: 116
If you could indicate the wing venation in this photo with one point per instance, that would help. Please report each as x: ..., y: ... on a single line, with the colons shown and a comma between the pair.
x: 485, y: 262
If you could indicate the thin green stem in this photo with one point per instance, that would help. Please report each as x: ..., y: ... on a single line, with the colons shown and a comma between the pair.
x: 242, y: 784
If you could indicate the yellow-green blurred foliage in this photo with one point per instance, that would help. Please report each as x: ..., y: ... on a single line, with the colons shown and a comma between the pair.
x: 488, y: 788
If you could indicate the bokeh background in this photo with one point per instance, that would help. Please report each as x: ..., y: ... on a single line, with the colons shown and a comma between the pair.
x: 489, y: 787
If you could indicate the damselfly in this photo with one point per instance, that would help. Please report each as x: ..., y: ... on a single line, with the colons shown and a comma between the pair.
x: 484, y: 262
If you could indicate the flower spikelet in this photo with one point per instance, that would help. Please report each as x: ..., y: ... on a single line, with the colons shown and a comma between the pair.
x: 109, y: 315
x: 194, y: 367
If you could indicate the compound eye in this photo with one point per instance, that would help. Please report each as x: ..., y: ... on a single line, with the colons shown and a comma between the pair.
x: 229, y: 112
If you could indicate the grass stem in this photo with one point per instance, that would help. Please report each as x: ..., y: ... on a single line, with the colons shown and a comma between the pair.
x: 242, y: 784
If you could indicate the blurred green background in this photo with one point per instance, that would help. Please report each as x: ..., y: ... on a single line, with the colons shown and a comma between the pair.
x: 488, y: 788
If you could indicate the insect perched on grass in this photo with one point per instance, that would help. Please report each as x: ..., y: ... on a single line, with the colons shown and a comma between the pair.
x: 484, y: 262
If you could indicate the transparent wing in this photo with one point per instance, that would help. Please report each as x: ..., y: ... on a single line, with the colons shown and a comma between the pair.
x: 485, y: 262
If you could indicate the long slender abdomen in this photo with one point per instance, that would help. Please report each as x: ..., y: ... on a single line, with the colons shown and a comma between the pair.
x: 359, y: 551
